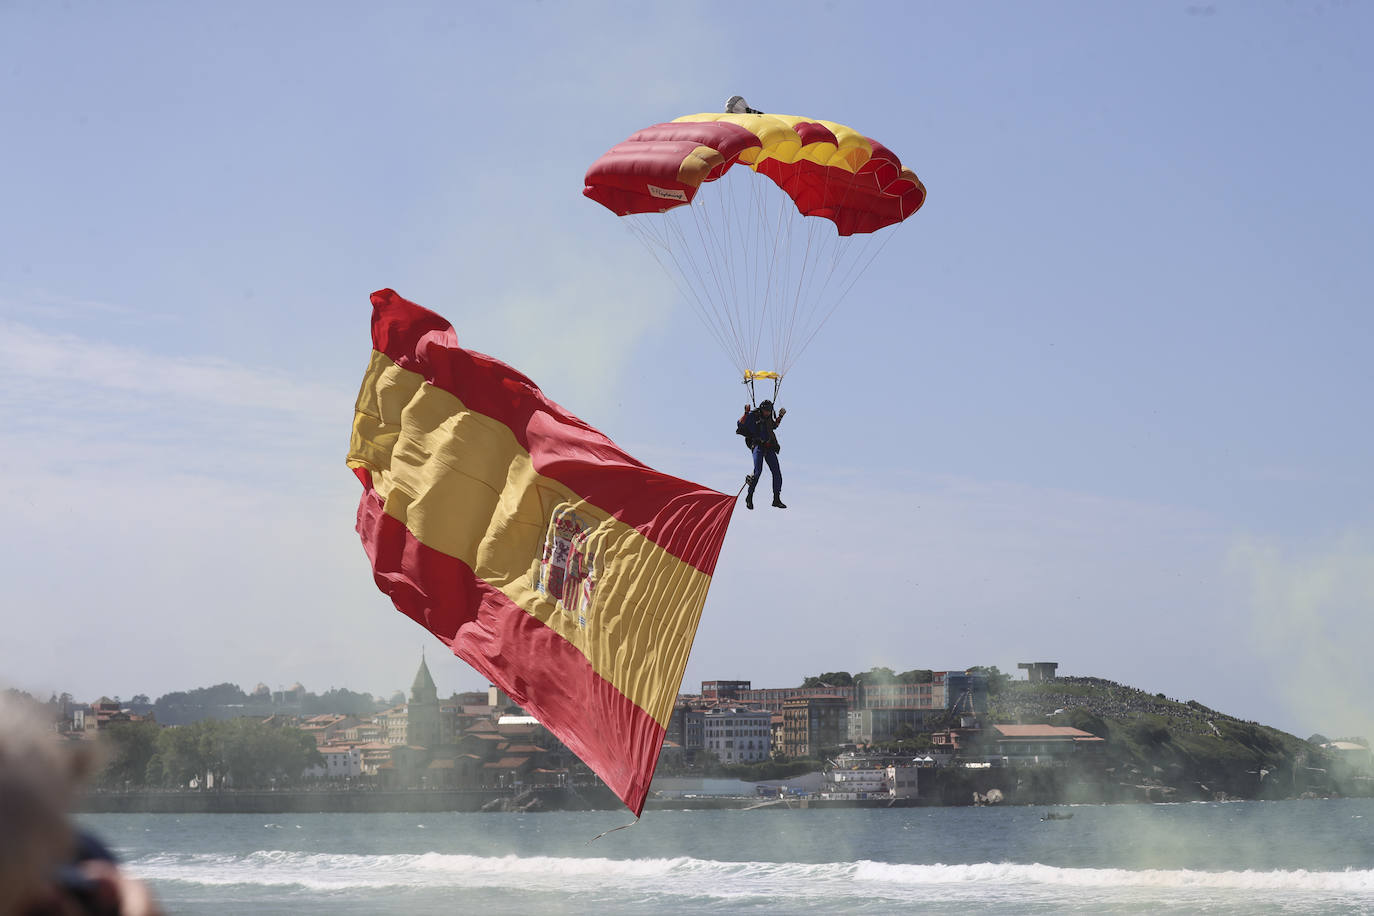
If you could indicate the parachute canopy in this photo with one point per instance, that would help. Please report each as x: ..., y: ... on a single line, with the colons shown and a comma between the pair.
x: 829, y: 170
x: 751, y: 260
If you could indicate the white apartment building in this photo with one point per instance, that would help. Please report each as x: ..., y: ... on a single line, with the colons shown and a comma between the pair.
x: 737, y: 735
x: 340, y: 762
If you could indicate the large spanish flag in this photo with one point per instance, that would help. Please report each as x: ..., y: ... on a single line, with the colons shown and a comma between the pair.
x: 567, y: 572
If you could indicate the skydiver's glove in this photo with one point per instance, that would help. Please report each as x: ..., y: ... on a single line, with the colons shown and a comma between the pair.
x: 782, y: 413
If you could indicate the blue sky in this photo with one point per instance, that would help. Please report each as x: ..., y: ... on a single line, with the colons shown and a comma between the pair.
x: 1103, y: 401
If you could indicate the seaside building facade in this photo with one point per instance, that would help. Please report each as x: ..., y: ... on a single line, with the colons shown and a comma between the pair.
x: 737, y: 735
x: 813, y: 724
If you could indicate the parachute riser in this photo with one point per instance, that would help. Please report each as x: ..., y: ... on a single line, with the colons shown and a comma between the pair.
x: 751, y: 377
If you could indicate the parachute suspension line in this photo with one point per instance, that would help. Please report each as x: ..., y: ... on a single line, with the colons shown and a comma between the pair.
x: 854, y: 270
x: 711, y: 274
x: 823, y: 244
x: 715, y: 260
x: 771, y: 225
x: 740, y: 268
x: 659, y: 247
x: 757, y: 271
x: 848, y: 258
x: 752, y: 279
x: 664, y: 236
x: 783, y: 260
x: 806, y: 290
x: 721, y: 264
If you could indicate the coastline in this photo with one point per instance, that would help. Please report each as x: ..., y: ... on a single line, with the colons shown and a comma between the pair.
x: 324, y: 801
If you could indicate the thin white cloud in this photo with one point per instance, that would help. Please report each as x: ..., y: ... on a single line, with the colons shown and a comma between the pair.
x: 54, y: 305
x: 34, y: 360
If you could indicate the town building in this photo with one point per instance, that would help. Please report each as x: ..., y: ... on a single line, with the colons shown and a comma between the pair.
x: 737, y: 735
x: 687, y: 729
x: 885, y: 725
x: 887, y: 712
x: 857, y: 783
x: 341, y: 762
x: 811, y: 725
x: 1035, y: 744
x: 393, y: 724
x: 717, y: 691
x: 422, y: 713
x: 326, y: 728
x: 1038, y: 672
x: 774, y: 697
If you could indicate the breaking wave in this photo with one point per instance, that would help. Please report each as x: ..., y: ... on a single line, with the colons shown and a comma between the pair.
x: 707, y: 878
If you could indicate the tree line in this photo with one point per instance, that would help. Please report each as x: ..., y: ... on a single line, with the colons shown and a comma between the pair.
x: 879, y: 675
x: 246, y: 753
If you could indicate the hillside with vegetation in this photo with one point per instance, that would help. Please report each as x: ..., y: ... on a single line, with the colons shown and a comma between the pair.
x: 1159, y: 748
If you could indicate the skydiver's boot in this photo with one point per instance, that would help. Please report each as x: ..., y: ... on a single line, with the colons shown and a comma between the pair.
x: 777, y: 501
x: 749, y: 497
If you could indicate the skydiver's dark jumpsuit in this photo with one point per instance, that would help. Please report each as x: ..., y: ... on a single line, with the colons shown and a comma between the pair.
x: 758, y: 425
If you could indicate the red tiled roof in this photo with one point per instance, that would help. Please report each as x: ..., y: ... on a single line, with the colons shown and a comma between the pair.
x: 484, y: 736
x: 1043, y: 731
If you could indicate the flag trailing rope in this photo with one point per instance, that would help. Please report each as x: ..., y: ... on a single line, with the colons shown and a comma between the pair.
x: 569, y: 574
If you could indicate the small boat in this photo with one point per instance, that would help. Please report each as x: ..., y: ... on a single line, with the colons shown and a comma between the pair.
x: 1054, y: 816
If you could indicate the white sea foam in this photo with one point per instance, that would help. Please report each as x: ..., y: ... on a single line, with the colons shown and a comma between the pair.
x: 707, y: 878
x: 1350, y: 881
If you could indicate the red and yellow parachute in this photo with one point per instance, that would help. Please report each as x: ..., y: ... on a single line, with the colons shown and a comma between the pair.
x: 752, y: 262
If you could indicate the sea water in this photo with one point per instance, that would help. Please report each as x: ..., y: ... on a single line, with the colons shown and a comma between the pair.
x: 1311, y: 856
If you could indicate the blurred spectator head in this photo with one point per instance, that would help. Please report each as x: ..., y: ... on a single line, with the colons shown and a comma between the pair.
x: 40, y: 776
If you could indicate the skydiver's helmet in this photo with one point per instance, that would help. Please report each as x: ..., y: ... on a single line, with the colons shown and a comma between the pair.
x: 737, y: 105
x: 766, y: 406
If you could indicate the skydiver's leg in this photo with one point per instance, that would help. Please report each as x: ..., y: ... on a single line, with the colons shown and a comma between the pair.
x: 754, y: 478
x: 775, y: 470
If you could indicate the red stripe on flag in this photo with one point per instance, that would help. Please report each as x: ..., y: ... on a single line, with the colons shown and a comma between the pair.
x: 513, y: 649
x: 663, y: 508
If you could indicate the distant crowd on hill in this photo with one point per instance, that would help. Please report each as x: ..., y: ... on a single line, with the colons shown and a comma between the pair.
x: 1025, y: 701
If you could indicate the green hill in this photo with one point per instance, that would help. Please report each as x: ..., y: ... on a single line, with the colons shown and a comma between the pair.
x: 1161, y: 749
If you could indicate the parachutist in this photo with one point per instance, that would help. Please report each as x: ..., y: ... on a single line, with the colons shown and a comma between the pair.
x: 732, y: 206
x: 757, y: 427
